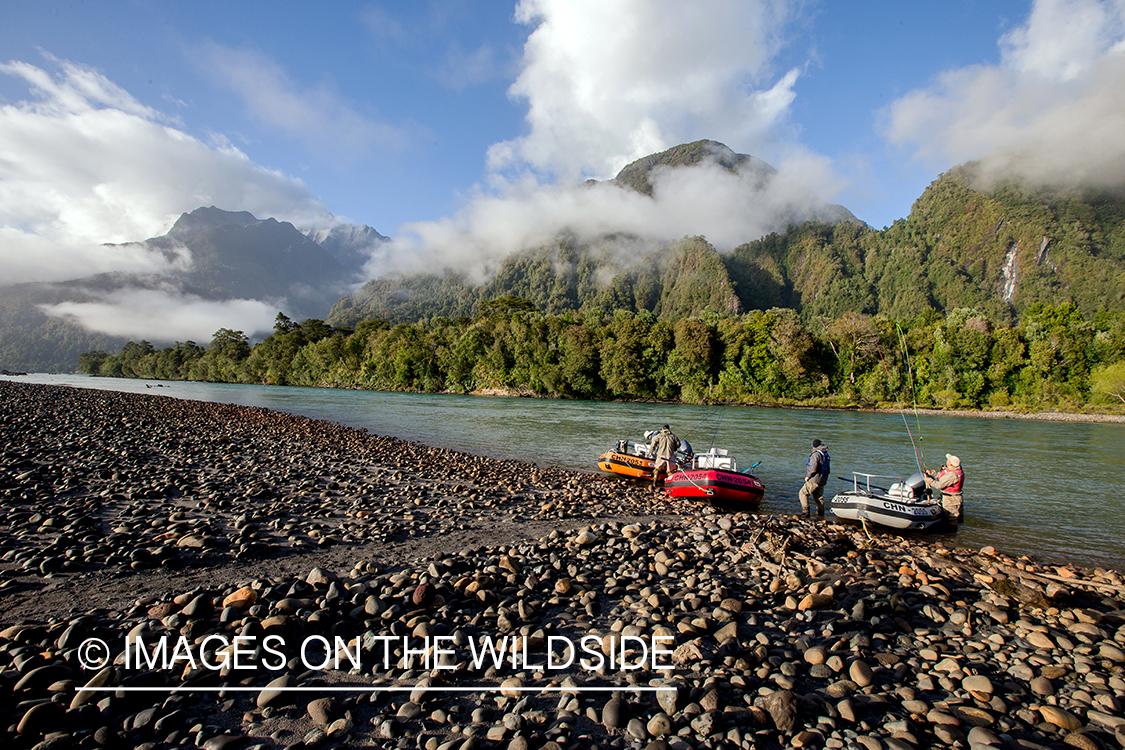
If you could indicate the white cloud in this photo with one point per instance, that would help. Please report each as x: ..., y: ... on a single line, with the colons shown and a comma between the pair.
x: 83, y: 163
x: 729, y: 209
x: 608, y: 82
x: 166, y: 315
x: 319, y: 116
x: 1051, y: 112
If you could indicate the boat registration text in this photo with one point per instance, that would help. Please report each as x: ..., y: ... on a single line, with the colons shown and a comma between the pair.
x: 925, y: 510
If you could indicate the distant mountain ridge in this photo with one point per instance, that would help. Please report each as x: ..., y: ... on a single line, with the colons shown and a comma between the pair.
x: 237, y: 256
x: 569, y: 275
x: 349, y: 244
x: 201, y: 219
x: 234, y: 255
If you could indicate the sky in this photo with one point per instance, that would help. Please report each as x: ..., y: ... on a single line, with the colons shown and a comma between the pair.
x: 463, y: 130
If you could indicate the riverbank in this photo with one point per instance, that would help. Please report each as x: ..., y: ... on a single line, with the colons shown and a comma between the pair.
x: 1047, y: 416
x: 1052, y: 415
x: 138, y: 515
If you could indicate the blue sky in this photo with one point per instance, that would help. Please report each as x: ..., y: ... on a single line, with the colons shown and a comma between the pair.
x: 459, y: 128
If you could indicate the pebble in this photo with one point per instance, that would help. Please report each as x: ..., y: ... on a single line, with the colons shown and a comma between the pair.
x: 1060, y: 718
x: 786, y: 632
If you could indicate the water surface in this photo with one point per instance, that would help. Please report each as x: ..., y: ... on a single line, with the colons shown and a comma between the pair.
x: 1051, y: 489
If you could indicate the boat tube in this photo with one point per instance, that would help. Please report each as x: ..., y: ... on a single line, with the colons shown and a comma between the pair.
x: 630, y: 459
x: 714, y: 476
x: 906, y: 504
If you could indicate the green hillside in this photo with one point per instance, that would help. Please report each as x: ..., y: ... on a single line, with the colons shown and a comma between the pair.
x: 997, y: 252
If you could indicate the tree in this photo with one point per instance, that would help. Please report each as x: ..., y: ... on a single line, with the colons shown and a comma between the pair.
x: 91, y: 362
x: 506, y: 306
x: 233, y: 345
x: 854, y: 340
x: 691, y: 362
x: 282, y: 324
x: 1109, y: 381
x: 578, y: 358
x: 622, y: 357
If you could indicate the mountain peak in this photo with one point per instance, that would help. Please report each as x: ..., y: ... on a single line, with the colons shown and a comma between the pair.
x: 191, y: 224
x: 637, y: 174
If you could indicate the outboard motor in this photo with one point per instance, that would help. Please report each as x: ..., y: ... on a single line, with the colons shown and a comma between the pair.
x: 917, y: 485
x: 910, y: 490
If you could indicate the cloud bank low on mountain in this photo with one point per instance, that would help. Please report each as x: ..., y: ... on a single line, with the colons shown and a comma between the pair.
x: 213, y: 269
x: 134, y: 313
x: 701, y: 188
x: 234, y: 271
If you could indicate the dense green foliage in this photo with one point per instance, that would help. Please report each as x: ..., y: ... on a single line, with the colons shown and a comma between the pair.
x: 1004, y: 298
x: 1000, y: 252
x: 1054, y: 358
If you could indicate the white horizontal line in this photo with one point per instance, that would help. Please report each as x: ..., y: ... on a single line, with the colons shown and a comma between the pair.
x: 378, y: 689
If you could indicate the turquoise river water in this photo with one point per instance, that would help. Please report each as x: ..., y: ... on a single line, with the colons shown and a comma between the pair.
x: 1049, y: 489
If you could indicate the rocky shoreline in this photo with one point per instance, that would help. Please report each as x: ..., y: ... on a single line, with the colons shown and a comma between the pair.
x: 142, y: 518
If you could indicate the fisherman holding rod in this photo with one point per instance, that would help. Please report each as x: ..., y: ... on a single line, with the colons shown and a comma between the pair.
x: 949, y: 480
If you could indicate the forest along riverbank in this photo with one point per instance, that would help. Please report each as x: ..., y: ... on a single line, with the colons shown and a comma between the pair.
x: 133, y: 517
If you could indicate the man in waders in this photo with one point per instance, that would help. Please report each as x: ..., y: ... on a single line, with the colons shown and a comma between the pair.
x: 816, y: 476
x: 664, y: 445
x: 950, y: 480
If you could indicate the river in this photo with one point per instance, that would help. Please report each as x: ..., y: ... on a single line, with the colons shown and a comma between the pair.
x: 1049, y: 489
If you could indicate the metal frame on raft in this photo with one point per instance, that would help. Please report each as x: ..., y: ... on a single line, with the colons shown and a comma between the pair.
x: 869, y: 487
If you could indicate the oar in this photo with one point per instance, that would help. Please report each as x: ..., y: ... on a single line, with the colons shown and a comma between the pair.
x: 747, y: 471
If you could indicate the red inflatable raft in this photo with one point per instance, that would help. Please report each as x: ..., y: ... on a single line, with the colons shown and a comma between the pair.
x: 714, y: 476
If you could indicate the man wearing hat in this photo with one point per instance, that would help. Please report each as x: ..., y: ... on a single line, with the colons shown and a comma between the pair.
x: 816, y: 476
x: 950, y: 481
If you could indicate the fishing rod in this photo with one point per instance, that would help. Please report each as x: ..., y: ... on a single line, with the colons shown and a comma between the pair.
x: 914, y: 400
x: 898, y: 397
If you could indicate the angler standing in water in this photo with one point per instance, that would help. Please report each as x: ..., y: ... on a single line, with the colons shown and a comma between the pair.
x: 950, y: 480
x: 816, y: 476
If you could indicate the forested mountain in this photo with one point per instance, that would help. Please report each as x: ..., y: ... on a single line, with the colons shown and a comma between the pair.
x: 682, y: 279
x: 31, y: 341
x: 996, y: 251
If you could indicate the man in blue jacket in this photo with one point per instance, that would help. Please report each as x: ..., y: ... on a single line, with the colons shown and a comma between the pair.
x: 816, y: 476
